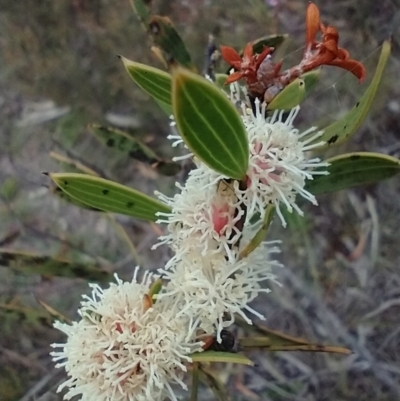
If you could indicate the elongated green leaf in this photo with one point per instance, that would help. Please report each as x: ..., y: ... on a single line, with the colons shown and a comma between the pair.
x: 155, y: 82
x: 109, y: 196
x: 125, y: 143
x: 168, y: 40
x: 32, y: 263
x: 54, y: 189
x: 209, y: 124
x: 291, y: 96
x: 216, y: 356
x: 344, y: 128
x: 261, y: 233
x: 268, y: 344
x: 353, y: 169
x: 311, y: 79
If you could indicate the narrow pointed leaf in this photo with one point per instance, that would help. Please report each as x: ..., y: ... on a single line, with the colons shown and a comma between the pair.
x: 216, y: 356
x: 54, y: 313
x: 109, y: 196
x: 344, y: 128
x: 155, y: 82
x: 55, y: 190
x: 353, y: 169
x: 168, y: 40
x: 269, y: 344
x: 155, y: 288
x: 32, y: 263
x: 291, y: 96
x: 209, y: 124
x: 134, y: 148
x: 261, y: 233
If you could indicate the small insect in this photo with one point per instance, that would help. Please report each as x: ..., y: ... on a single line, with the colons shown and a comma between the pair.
x: 228, y: 343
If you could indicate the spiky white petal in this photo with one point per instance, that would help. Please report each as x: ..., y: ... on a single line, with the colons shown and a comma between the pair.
x: 212, y: 289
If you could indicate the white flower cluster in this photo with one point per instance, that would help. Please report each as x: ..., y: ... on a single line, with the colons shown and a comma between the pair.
x: 127, y: 347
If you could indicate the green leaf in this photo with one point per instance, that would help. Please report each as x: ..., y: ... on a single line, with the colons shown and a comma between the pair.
x: 291, y: 96
x: 32, y: 263
x: 155, y: 288
x: 155, y: 82
x: 311, y: 79
x: 125, y: 143
x: 109, y: 196
x: 216, y: 356
x: 353, y: 169
x: 268, y: 41
x: 142, y: 9
x: 168, y: 40
x: 54, y: 189
x: 344, y: 128
x: 220, y: 80
x: 209, y: 124
x: 268, y: 343
x: 260, y: 234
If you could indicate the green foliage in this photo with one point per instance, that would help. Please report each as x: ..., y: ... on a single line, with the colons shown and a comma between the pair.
x: 344, y: 128
x: 153, y: 81
x: 268, y: 41
x: 209, y: 124
x: 32, y: 263
x: 109, y: 196
x: 291, y: 96
x: 134, y: 148
x: 260, y: 234
x: 311, y: 79
x: 353, y: 169
x: 9, y: 188
x: 168, y: 40
x: 216, y: 356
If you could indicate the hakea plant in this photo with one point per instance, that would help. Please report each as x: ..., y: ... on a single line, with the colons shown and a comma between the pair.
x: 136, y: 339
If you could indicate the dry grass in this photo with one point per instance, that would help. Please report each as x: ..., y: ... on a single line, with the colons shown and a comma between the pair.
x: 341, y: 284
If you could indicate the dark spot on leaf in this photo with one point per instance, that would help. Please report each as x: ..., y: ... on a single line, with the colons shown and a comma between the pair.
x: 130, y: 205
x: 358, y: 103
x: 345, y: 127
x: 355, y: 157
x: 333, y: 139
x: 139, y: 155
x: 110, y: 142
x: 105, y: 191
x: 155, y: 28
x: 301, y: 83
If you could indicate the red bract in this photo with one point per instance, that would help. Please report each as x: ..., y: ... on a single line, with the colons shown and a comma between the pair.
x: 247, y: 66
x: 326, y: 52
x: 263, y: 77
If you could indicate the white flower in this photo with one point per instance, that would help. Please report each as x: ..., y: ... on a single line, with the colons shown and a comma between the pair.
x: 211, y: 289
x: 204, y: 214
x: 123, y: 348
x: 278, y: 162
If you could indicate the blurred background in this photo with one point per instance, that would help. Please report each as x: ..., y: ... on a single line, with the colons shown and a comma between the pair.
x: 59, y: 72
